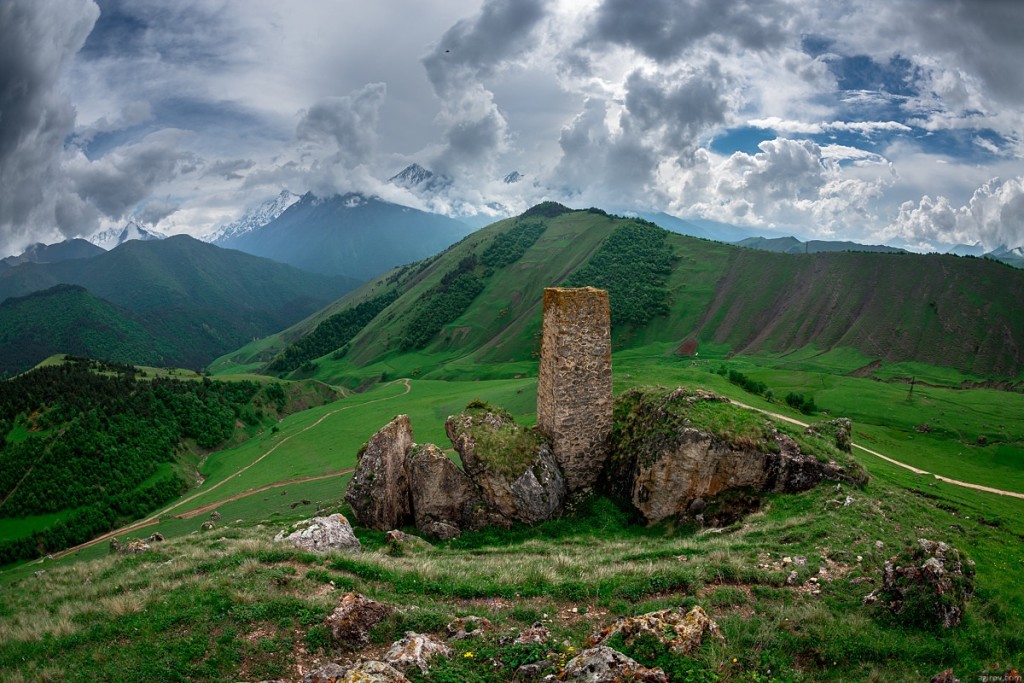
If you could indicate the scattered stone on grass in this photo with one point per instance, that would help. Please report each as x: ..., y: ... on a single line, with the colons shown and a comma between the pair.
x: 400, y: 542
x: 682, y: 632
x: 322, y: 534
x: 602, y: 664
x: 926, y: 585
x: 469, y: 627
x: 352, y: 619
x: 415, y: 650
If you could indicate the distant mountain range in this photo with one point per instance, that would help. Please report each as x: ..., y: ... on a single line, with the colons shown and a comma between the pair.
x: 254, y: 218
x: 51, y: 253
x: 352, y: 235
x: 193, y: 301
x: 479, y: 302
x: 791, y: 245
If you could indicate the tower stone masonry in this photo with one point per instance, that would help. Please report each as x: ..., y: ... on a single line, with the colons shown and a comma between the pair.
x: 574, y: 387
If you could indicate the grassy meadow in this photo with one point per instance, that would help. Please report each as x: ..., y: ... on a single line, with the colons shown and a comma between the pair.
x: 228, y: 604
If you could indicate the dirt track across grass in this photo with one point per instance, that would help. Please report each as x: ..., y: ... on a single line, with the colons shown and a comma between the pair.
x: 915, y: 470
x: 155, y: 517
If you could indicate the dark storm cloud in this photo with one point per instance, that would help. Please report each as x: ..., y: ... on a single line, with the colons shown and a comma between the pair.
x: 472, y: 49
x: 677, y: 107
x: 981, y: 38
x: 118, y: 182
x: 37, y: 43
x: 349, y: 121
x: 664, y: 29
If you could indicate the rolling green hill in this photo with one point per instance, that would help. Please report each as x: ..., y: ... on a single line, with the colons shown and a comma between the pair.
x: 194, y: 300
x: 667, y: 289
x: 70, y: 319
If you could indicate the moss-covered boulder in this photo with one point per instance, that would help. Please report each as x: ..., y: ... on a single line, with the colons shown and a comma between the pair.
x: 513, y: 467
x: 674, y: 452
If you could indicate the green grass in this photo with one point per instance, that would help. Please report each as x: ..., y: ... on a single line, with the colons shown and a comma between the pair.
x: 261, y: 606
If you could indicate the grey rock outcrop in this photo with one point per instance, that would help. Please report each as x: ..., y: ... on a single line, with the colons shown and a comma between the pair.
x: 379, y: 490
x: 514, y: 468
x: 322, y: 534
x: 602, y: 664
x: 926, y: 585
x: 442, y: 495
x: 574, y: 385
x: 663, y: 465
x: 415, y: 650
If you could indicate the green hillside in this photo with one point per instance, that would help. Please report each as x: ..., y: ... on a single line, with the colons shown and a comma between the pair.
x: 194, y: 300
x: 668, y: 290
x: 87, y: 445
x: 69, y: 319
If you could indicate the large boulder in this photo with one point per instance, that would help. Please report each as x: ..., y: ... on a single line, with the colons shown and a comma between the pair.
x: 442, y: 495
x: 673, y: 452
x: 350, y: 622
x: 926, y: 585
x: 322, y: 534
x: 415, y: 650
x: 602, y: 664
x: 514, y: 468
x: 379, y: 490
x: 680, y: 631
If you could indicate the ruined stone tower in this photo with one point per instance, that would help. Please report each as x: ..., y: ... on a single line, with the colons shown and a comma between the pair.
x: 574, y: 389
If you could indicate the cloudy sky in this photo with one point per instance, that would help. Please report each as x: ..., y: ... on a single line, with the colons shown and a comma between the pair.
x: 886, y: 120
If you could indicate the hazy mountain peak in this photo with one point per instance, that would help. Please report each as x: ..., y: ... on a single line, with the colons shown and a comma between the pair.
x: 255, y: 218
x: 513, y: 177
x: 51, y: 253
x: 415, y: 177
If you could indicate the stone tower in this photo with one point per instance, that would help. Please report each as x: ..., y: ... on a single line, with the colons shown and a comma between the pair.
x: 574, y: 388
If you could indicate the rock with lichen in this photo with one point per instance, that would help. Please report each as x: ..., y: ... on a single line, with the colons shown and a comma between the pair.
x: 351, y: 621
x: 927, y: 584
x: 680, y: 631
x: 513, y: 467
x: 602, y: 664
x: 378, y: 492
x: 415, y: 650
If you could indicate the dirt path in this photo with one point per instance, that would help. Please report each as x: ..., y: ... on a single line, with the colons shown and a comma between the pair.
x: 210, y: 507
x: 155, y: 517
x: 915, y: 470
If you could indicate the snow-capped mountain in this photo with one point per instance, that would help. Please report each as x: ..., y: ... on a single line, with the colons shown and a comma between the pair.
x: 418, y: 179
x: 108, y: 239
x: 513, y: 177
x: 254, y: 218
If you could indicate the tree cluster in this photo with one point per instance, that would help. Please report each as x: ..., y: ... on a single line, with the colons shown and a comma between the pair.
x: 332, y: 333
x: 92, y: 436
x: 633, y: 264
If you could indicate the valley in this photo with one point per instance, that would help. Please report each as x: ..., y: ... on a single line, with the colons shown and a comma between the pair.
x: 938, y: 424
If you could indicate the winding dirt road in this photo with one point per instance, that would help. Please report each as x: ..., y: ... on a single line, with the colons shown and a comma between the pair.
x: 915, y: 470
x: 155, y: 517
